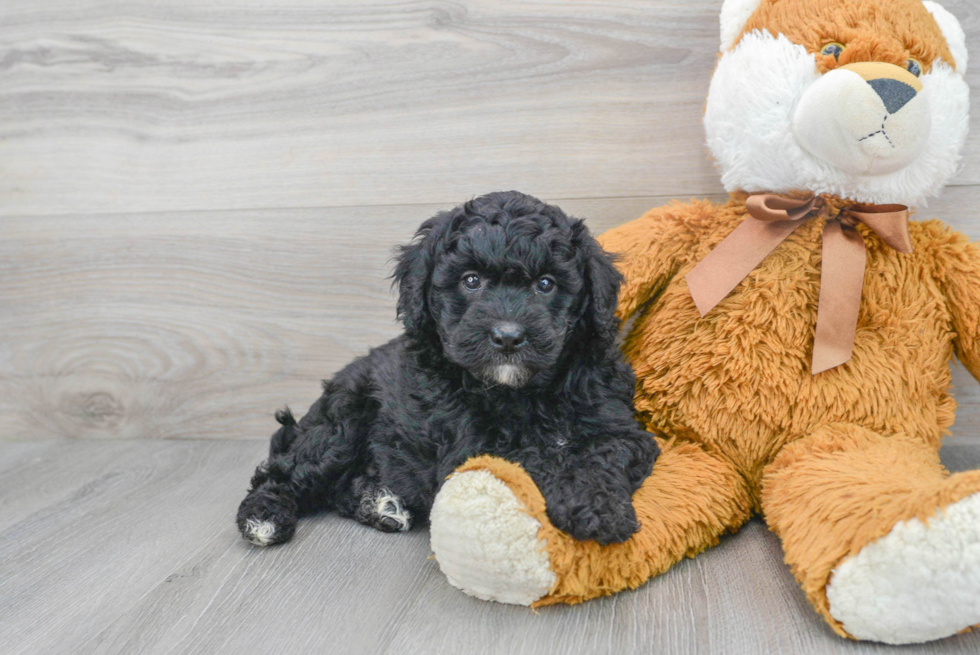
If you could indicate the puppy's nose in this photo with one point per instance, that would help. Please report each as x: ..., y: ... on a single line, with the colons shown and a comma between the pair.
x: 507, y: 337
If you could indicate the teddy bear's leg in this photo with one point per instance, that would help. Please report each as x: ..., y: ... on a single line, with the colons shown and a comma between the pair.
x: 492, y: 538
x: 883, y: 541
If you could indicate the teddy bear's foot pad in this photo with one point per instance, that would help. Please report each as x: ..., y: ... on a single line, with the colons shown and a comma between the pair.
x: 485, y: 543
x: 919, y: 582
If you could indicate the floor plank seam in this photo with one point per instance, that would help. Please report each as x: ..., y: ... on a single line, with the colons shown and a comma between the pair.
x: 662, y: 198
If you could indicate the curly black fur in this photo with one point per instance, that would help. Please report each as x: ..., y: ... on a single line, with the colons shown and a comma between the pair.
x: 553, y: 393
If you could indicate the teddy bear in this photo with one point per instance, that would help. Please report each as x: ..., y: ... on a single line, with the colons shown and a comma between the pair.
x: 791, y: 345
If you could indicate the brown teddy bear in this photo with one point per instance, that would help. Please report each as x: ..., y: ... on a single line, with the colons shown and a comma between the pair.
x: 792, y: 344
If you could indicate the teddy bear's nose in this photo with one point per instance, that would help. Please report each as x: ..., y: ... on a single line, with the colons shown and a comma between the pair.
x: 893, y: 93
x: 894, y: 85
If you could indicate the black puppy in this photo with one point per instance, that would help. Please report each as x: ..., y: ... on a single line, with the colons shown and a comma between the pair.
x: 509, y: 349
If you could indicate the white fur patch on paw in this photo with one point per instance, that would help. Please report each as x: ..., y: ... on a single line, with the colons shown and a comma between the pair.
x: 917, y: 583
x: 388, y: 505
x: 485, y: 544
x: 260, y: 533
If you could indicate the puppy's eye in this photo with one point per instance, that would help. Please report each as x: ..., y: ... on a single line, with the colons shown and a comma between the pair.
x: 833, y: 48
x: 545, y: 285
x: 914, y: 67
x: 471, y: 281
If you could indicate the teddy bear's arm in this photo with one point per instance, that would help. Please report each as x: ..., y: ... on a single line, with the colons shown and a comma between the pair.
x: 650, y: 250
x: 957, y: 261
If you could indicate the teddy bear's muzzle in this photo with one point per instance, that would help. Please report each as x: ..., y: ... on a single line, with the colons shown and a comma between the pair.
x: 867, y: 118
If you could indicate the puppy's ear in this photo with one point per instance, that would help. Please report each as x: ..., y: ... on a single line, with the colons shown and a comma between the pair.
x: 602, y: 282
x: 413, y: 272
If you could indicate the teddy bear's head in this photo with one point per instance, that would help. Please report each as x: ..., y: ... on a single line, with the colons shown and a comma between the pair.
x: 863, y: 99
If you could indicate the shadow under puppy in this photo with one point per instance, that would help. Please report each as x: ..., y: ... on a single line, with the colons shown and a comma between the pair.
x: 509, y: 349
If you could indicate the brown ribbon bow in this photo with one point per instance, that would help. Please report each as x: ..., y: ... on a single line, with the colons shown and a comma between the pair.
x: 772, y: 218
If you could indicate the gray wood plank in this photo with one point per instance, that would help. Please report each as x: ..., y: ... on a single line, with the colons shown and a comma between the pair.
x: 147, y: 561
x: 35, y: 475
x: 19, y: 496
x: 334, y: 588
x: 966, y: 391
x: 17, y: 454
x: 83, y: 559
x: 173, y: 326
x: 147, y: 106
x: 667, y: 615
x: 960, y: 453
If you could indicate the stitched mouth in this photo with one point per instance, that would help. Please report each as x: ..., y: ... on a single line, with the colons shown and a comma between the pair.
x: 880, y: 131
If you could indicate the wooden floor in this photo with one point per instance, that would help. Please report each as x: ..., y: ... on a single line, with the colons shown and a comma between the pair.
x: 198, y: 205
x: 128, y: 546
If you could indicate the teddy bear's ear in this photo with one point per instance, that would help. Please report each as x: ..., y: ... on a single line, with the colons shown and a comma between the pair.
x: 955, y: 38
x: 734, y: 15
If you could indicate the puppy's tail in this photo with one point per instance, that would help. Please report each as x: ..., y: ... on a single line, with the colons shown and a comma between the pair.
x: 284, y: 437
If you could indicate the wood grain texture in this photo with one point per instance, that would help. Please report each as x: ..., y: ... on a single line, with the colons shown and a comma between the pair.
x: 143, y: 106
x: 133, y: 551
x: 170, y: 326
x: 92, y: 552
x: 179, y: 325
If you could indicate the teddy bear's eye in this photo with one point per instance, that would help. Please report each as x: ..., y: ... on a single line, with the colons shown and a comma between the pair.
x: 471, y: 281
x: 832, y: 49
x: 914, y: 67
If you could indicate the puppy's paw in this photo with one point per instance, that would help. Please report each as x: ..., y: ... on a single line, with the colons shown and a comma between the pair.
x: 261, y: 533
x: 383, y: 510
x: 265, y: 519
x: 602, y: 516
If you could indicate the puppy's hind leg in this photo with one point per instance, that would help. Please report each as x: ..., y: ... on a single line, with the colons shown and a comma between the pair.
x: 269, y: 513
x: 313, y: 461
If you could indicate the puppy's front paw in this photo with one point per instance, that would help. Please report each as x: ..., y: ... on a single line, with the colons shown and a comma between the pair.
x: 602, y: 516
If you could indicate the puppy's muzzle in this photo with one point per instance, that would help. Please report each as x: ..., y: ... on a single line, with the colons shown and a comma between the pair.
x: 507, y: 337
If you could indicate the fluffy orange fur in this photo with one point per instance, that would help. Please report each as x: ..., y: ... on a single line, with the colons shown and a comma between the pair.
x: 738, y: 382
x: 873, y: 30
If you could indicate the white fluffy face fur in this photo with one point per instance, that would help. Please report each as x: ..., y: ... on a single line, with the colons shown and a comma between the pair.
x: 775, y: 124
x: 734, y: 14
x: 955, y: 38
